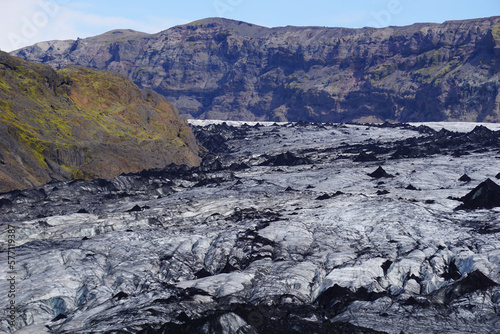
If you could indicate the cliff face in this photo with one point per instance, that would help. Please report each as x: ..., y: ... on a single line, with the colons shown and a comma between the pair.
x: 83, y: 124
x: 223, y: 69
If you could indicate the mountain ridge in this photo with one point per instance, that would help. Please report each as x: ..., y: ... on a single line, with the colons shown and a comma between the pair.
x: 232, y: 70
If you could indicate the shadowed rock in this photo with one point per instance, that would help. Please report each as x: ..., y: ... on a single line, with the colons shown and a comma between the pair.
x: 5, y: 202
x: 474, y: 281
x: 481, y: 134
x: 120, y: 295
x: 365, y: 157
x: 452, y: 272
x: 382, y: 192
x: 328, y: 196
x: 379, y: 173
x: 465, y: 178
x: 338, y: 297
x: 484, y: 196
x: 59, y: 317
x: 405, y: 151
x: 138, y: 208
x: 286, y: 159
x: 238, y: 166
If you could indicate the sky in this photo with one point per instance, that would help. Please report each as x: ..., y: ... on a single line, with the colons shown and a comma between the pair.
x: 26, y: 22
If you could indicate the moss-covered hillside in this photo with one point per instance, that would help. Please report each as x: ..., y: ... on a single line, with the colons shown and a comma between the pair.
x: 82, y: 123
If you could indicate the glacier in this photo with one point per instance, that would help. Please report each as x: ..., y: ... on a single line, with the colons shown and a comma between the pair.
x: 280, y: 230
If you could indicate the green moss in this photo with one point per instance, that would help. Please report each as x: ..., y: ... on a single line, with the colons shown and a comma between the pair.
x: 381, y: 73
x: 4, y: 85
x: 5, y: 106
x: 78, y: 174
x: 495, y: 31
x: 179, y: 141
x: 61, y: 128
x: 436, y: 57
x: 36, y: 146
x: 293, y: 85
x: 69, y: 169
x: 445, y: 70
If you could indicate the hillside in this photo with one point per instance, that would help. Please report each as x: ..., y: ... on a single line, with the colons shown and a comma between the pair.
x: 223, y: 69
x: 80, y: 123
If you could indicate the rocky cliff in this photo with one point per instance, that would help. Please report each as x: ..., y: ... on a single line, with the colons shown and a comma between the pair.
x: 223, y: 69
x: 80, y: 123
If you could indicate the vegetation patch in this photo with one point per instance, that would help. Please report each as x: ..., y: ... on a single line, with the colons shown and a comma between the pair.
x: 495, y: 31
x: 382, y: 72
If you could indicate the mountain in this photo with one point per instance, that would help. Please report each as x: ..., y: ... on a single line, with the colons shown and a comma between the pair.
x: 80, y: 123
x: 222, y: 69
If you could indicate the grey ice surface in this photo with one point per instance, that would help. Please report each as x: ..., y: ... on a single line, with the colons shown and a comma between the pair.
x: 252, y: 250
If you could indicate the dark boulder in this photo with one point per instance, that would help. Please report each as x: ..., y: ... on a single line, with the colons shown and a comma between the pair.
x: 465, y: 178
x: 120, y: 295
x: 138, y: 208
x: 484, y: 196
x: 474, y: 281
x: 379, y: 173
x: 481, y: 134
x: 238, y: 166
x: 213, y: 142
x: 59, y: 317
x: 452, y: 272
x: 407, y: 151
x: 5, y: 202
x: 337, y: 297
x: 202, y: 273
x: 386, y: 265
x: 210, y: 165
x: 286, y: 159
x: 328, y: 196
x: 365, y: 157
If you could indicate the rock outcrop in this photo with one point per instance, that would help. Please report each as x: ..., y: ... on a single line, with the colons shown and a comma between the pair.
x: 486, y: 195
x: 223, y: 69
x: 79, y: 123
x: 380, y: 173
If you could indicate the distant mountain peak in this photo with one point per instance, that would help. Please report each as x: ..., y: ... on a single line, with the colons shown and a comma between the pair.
x: 119, y: 34
x: 219, y: 21
x: 236, y: 27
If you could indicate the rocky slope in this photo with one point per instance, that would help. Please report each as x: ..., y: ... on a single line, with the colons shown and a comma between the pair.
x: 82, y: 123
x: 223, y: 69
x: 296, y: 234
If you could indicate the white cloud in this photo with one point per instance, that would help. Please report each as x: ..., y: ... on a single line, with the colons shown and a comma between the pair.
x: 27, y: 22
